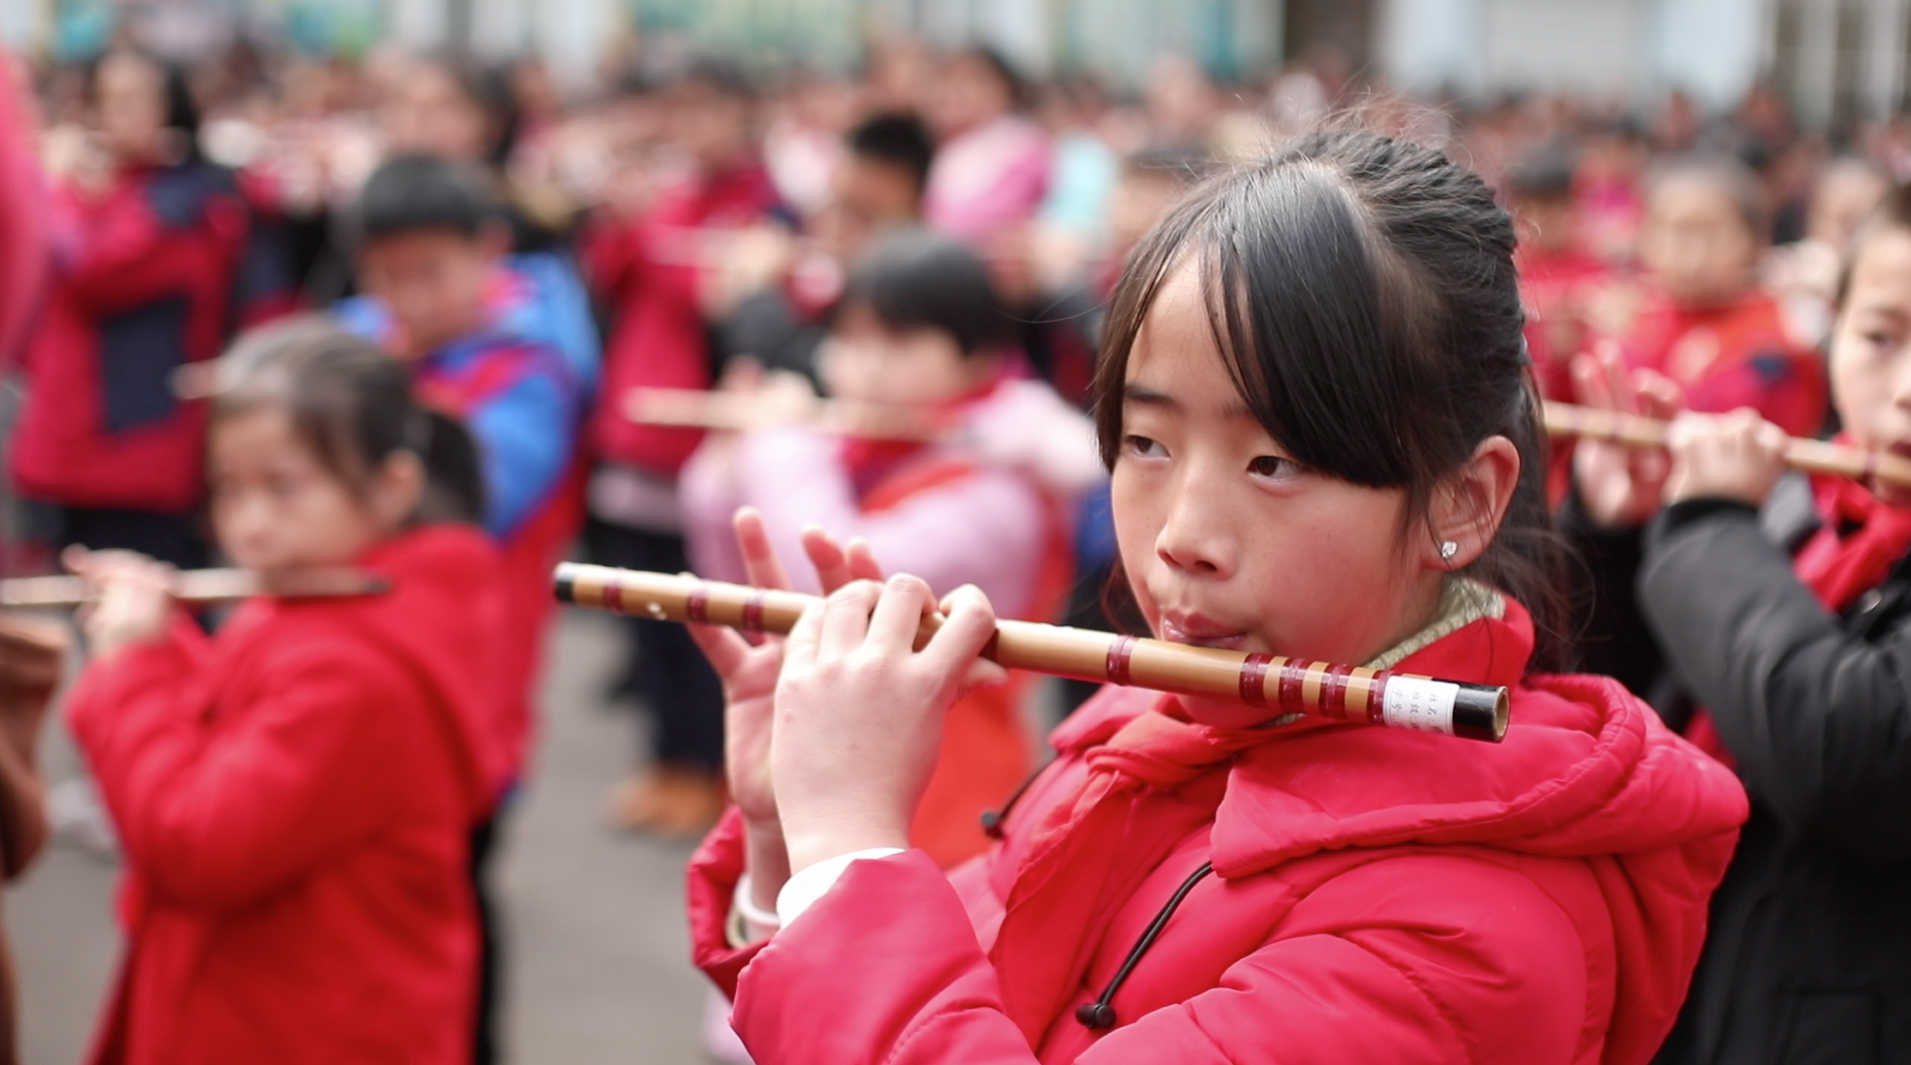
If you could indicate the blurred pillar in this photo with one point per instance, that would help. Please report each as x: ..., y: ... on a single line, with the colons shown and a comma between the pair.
x: 1430, y: 45
x: 1884, y: 56
x: 1713, y: 49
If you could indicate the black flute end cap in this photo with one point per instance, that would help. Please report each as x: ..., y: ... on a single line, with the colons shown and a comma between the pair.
x: 564, y: 583
x: 1481, y: 712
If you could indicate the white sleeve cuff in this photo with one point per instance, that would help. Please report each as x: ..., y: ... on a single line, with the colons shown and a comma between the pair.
x: 807, y: 885
x: 751, y: 923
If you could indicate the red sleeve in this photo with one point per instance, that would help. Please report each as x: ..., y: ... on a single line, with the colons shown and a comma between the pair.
x: 221, y: 818
x: 1410, y: 959
x: 22, y: 228
x: 712, y: 882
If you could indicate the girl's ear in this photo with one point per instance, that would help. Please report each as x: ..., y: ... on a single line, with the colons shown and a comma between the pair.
x: 1469, y: 504
x: 397, y: 490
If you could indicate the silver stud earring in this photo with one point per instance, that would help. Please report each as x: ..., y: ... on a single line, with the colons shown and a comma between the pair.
x: 1448, y: 549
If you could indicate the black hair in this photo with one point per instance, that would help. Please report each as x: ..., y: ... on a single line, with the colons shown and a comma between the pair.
x: 1363, y: 294
x: 353, y: 405
x: 895, y: 138
x: 916, y: 279
x: 408, y: 193
x: 1545, y: 173
x: 1731, y: 176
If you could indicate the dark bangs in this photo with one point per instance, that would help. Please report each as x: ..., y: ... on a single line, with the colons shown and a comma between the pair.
x: 1318, y: 327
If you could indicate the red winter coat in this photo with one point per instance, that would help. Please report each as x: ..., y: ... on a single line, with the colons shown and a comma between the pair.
x: 294, y: 798
x: 647, y: 272
x: 1378, y: 896
x: 144, y: 278
x: 22, y: 229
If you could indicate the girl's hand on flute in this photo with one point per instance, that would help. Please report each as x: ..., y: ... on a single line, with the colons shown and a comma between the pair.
x: 1620, y: 486
x: 1736, y: 456
x: 748, y: 672
x: 859, y: 713
x: 134, y: 597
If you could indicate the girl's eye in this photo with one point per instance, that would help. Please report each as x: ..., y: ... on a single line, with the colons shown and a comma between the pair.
x: 1143, y: 447
x: 1274, y: 468
x: 1881, y: 340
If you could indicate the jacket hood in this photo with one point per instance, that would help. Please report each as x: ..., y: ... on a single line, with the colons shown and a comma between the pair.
x: 444, y: 615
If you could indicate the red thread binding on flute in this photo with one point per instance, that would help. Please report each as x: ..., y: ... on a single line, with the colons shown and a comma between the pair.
x: 1254, y: 679
x: 1119, y: 653
x: 1293, y: 675
x: 753, y: 613
x: 1333, y: 700
x: 612, y: 594
x: 696, y: 606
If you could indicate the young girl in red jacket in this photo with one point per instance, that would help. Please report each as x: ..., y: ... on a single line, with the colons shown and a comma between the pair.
x: 1324, y: 444
x: 294, y: 795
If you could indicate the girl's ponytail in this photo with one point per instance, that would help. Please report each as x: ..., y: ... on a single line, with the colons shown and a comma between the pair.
x: 454, y: 489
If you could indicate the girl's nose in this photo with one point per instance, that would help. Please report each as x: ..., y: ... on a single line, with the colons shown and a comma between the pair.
x: 1193, y: 539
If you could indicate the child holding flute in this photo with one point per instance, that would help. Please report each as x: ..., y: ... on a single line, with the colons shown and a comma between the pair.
x: 1324, y: 444
x: 919, y: 326
x: 1786, y: 617
x: 294, y: 796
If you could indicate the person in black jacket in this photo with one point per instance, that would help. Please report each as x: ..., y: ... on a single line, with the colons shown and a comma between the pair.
x: 1780, y: 610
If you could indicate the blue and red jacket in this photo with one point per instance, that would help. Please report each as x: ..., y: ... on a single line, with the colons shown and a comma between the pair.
x: 524, y: 400
x: 157, y: 271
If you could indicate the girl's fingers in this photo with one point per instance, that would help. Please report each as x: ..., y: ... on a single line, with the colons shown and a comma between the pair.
x: 862, y: 561
x: 760, y: 563
x: 846, y: 617
x: 968, y: 628
x: 800, y: 648
x: 828, y: 558
x: 899, y: 612
x: 725, y: 648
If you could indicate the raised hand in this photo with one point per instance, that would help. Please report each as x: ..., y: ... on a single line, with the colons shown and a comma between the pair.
x: 1620, y: 486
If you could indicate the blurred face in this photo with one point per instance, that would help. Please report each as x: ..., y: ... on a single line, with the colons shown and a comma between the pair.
x: 1871, y: 350
x: 1841, y: 202
x: 866, y: 361
x: 275, y: 507
x: 969, y: 94
x: 713, y: 127
x: 1226, y: 541
x: 1696, y: 243
x: 430, y: 113
x: 433, y: 281
x: 868, y: 198
x: 132, y: 108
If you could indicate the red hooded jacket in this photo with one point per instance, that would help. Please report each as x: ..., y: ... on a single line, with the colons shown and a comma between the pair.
x: 294, y: 799
x: 1378, y: 896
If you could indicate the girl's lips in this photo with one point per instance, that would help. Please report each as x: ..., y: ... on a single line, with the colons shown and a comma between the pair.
x: 1200, y: 632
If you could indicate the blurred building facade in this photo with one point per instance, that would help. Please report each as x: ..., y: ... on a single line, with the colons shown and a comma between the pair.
x: 1834, y: 59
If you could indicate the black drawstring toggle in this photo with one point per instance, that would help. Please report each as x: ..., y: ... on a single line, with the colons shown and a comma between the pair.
x: 1099, y: 1015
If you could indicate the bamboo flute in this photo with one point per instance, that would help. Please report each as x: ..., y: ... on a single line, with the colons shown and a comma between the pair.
x: 1811, y: 456
x: 196, y: 586
x: 734, y: 412
x: 1379, y: 697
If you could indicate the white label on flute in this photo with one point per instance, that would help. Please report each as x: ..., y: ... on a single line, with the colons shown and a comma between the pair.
x: 1418, y: 703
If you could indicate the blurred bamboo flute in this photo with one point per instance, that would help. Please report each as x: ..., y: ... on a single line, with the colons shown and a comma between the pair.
x: 1286, y: 685
x: 197, y: 586
x: 726, y: 411
x: 1811, y: 456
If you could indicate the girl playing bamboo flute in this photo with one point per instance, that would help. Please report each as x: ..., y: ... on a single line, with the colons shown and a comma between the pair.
x: 1324, y: 444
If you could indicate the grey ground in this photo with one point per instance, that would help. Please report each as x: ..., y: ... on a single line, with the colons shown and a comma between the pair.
x: 596, y: 927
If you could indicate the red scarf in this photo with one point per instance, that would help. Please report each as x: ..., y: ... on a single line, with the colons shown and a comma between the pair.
x: 870, y: 459
x: 1149, y: 787
x: 1852, y: 552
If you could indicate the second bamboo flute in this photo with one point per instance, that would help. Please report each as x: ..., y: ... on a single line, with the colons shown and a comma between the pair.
x: 1811, y: 456
x: 1286, y: 685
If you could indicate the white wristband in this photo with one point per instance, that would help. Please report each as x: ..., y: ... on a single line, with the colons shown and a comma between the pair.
x: 758, y: 923
x: 807, y: 885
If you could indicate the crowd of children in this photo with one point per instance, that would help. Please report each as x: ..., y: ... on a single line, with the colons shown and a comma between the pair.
x: 1199, y: 364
